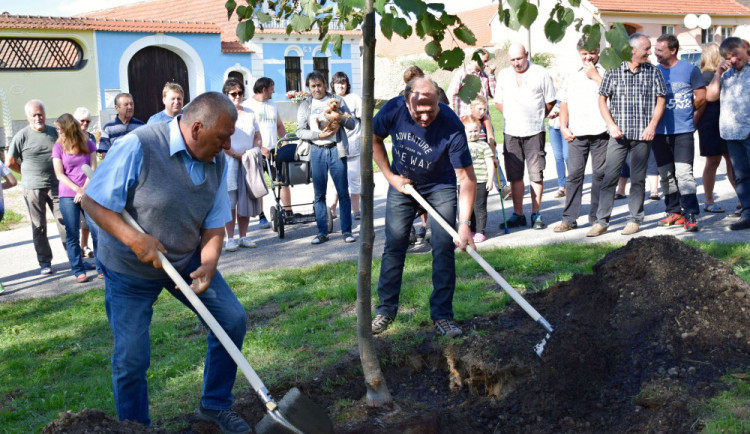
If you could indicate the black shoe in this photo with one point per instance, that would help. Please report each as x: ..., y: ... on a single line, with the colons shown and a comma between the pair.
x: 229, y: 422
x: 515, y: 221
x: 743, y: 223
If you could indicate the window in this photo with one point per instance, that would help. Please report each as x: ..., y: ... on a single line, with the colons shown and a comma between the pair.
x: 320, y: 64
x: 19, y: 54
x: 667, y: 30
x: 726, y: 32
x: 293, y: 73
x: 707, y: 35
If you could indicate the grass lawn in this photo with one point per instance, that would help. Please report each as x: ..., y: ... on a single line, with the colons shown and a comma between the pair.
x: 10, y: 219
x: 56, y: 351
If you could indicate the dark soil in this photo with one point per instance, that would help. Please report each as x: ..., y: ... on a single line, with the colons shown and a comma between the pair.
x: 638, y: 346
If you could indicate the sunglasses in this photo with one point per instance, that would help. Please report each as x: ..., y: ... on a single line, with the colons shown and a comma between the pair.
x: 235, y: 94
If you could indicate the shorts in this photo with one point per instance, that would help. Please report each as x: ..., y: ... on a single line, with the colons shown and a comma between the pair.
x: 517, y: 150
x: 353, y: 174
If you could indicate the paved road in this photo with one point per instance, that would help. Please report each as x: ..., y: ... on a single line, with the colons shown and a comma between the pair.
x: 19, y: 270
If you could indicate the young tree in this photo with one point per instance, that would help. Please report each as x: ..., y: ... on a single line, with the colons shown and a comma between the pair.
x: 433, y: 24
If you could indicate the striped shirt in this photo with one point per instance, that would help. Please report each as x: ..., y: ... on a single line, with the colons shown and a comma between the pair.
x: 632, y: 96
x: 480, y: 151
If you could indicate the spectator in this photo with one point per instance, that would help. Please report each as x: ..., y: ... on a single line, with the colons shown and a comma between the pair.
x: 487, y: 134
x: 187, y: 215
x: 636, y: 92
x: 271, y: 128
x: 584, y: 128
x: 72, y: 150
x: 524, y: 95
x: 559, y: 149
x: 9, y: 182
x: 172, y: 96
x: 481, y: 157
x: 246, y: 136
x: 673, y: 146
x: 487, y: 82
x: 83, y: 116
x: 30, y: 154
x: 712, y: 146
x: 328, y: 152
x: 340, y: 86
x: 731, y: 82
x: 124, y: 123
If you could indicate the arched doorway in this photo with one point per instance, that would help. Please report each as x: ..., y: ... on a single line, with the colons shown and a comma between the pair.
x: 148, y: 70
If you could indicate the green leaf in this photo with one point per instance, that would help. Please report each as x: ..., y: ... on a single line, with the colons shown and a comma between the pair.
x: 527, y: 14
x: 593, y: 35
x: 568, y: 17
x: 438, y: 7
x: 554, y: 31
x: 429, y: 25
x: 230, y: 5
x: 245, y: 30
x: 448, y: 19
x: 433, y: 49
x: 470, y: 88
x: 310, y: 8
x: 337, y: 41
x: 301, y: 23
x: 263, y: 17
x: 451, y: 59
x: 379, y: 7
x: 617, y: 37
x: 464, y: 34
x: 386, y: 25
x: 516, y: 4
x: 358, y: 4
x: 609, y: 58
x: 416, y: 7
x: 510, y: 19
x: 241, y: 11
x: 575, y: 3
x: 401, y: 27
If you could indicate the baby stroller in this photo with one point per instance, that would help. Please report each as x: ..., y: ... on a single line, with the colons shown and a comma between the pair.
x: 286, y: 169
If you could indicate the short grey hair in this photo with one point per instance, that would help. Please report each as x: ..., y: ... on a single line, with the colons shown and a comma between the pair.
x: 207, y: 108
x: 82, y: 113
x: 33, y: 102
x: 635, y: 37
x: 410, y: 86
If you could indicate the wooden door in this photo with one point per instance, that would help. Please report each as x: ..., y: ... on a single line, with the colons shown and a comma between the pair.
x: 148, y: 71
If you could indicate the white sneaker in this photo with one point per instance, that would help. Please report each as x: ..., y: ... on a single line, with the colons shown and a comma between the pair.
x: 231, y: 245
x: 247, y: 242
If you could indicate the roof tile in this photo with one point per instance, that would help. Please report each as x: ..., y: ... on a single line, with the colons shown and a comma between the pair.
x: 8, y: 21
x: 713, y: 7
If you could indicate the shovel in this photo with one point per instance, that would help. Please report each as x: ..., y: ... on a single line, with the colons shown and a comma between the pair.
x: 538, y: 348
x: 295, y: 413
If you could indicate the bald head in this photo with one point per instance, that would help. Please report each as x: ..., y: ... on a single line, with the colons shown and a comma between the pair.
x: 518, y: 57
x: 422, y: 100
x: 35, y: 114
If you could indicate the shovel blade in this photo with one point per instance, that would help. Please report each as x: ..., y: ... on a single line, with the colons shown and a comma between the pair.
x: 299, y: 411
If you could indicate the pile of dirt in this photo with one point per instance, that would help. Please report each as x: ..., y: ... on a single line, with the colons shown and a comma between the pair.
x: 637, y: 346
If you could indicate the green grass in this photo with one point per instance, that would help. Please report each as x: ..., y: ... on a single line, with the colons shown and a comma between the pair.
x: 10, y: 219
x: 55, y: 352
x: 729, y: 412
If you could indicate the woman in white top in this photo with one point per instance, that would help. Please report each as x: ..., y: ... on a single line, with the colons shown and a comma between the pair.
x: 246, y: 136
x: 340, y: 86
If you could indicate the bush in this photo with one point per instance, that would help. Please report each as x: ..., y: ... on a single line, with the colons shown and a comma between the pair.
x: 427, y: 65
x: 542, y: 59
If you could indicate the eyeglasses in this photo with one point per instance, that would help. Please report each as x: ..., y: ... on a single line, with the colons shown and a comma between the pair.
x: 235, y: 94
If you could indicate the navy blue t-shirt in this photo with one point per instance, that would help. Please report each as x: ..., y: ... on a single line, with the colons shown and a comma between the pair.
x: 427, y: 156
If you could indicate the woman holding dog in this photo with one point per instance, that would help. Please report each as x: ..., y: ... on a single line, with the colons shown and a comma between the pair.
x: 328, y: 151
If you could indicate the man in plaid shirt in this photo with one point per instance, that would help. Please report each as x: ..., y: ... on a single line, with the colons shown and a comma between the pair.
x: 488, y: 83
x: 636, y: 93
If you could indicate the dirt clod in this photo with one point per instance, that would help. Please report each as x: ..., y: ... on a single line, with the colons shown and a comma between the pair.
x: 637, y: 345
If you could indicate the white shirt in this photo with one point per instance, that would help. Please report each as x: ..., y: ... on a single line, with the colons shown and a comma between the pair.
x: 242, y: 140
x: 582, y: 96
x: 354, y: 137
x: 524, y: 107
x: 267, y: 114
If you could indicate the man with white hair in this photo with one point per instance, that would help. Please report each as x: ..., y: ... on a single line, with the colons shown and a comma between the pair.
x: 30, y: 154
x: 524, y: 95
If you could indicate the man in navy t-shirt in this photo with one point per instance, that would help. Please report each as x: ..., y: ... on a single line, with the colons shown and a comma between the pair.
x: 430, y: 152
x: 673, y: 142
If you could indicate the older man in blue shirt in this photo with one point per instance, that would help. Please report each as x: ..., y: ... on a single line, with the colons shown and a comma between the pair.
x: 184, y: 219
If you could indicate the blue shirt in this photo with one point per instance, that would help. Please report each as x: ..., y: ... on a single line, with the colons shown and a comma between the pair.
x: 681, y: 80
x: 114, y: 130
x: 427, y: 156
x: 162, y: 116
x: 120, y: 171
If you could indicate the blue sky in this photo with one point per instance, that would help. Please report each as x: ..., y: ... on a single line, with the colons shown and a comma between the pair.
x: 63, y: 8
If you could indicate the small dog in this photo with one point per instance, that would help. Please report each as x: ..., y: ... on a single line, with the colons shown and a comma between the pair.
x: 332, y: 116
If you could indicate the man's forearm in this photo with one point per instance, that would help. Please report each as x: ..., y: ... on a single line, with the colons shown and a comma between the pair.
x: 211, y: 242
x: 658, y: 111
x: 110, y: 221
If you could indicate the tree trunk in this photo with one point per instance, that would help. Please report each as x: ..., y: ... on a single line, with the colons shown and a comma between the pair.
x: 377, y: 390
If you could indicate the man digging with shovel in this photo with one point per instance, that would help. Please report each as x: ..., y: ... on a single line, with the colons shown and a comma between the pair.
x: 172, y: 179
x: 430, y: 151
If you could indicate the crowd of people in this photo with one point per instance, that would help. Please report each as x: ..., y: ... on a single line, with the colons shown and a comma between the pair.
x: 443, y: 147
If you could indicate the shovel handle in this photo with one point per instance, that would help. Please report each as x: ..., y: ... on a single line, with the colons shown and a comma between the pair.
x: 203, y: 312
x: 487, y: 267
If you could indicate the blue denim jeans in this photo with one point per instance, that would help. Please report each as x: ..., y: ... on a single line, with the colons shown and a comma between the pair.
x: 739, y: 154
x: 560, y: 150
x: 128, y: 301
x: 323, y: 160
x: 71, y: 213
x: 400, y: 211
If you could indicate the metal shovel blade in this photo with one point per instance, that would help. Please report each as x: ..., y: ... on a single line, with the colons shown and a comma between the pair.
x: 300, y: 412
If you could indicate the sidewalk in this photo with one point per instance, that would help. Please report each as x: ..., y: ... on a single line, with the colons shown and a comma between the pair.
x: 19, y: 270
